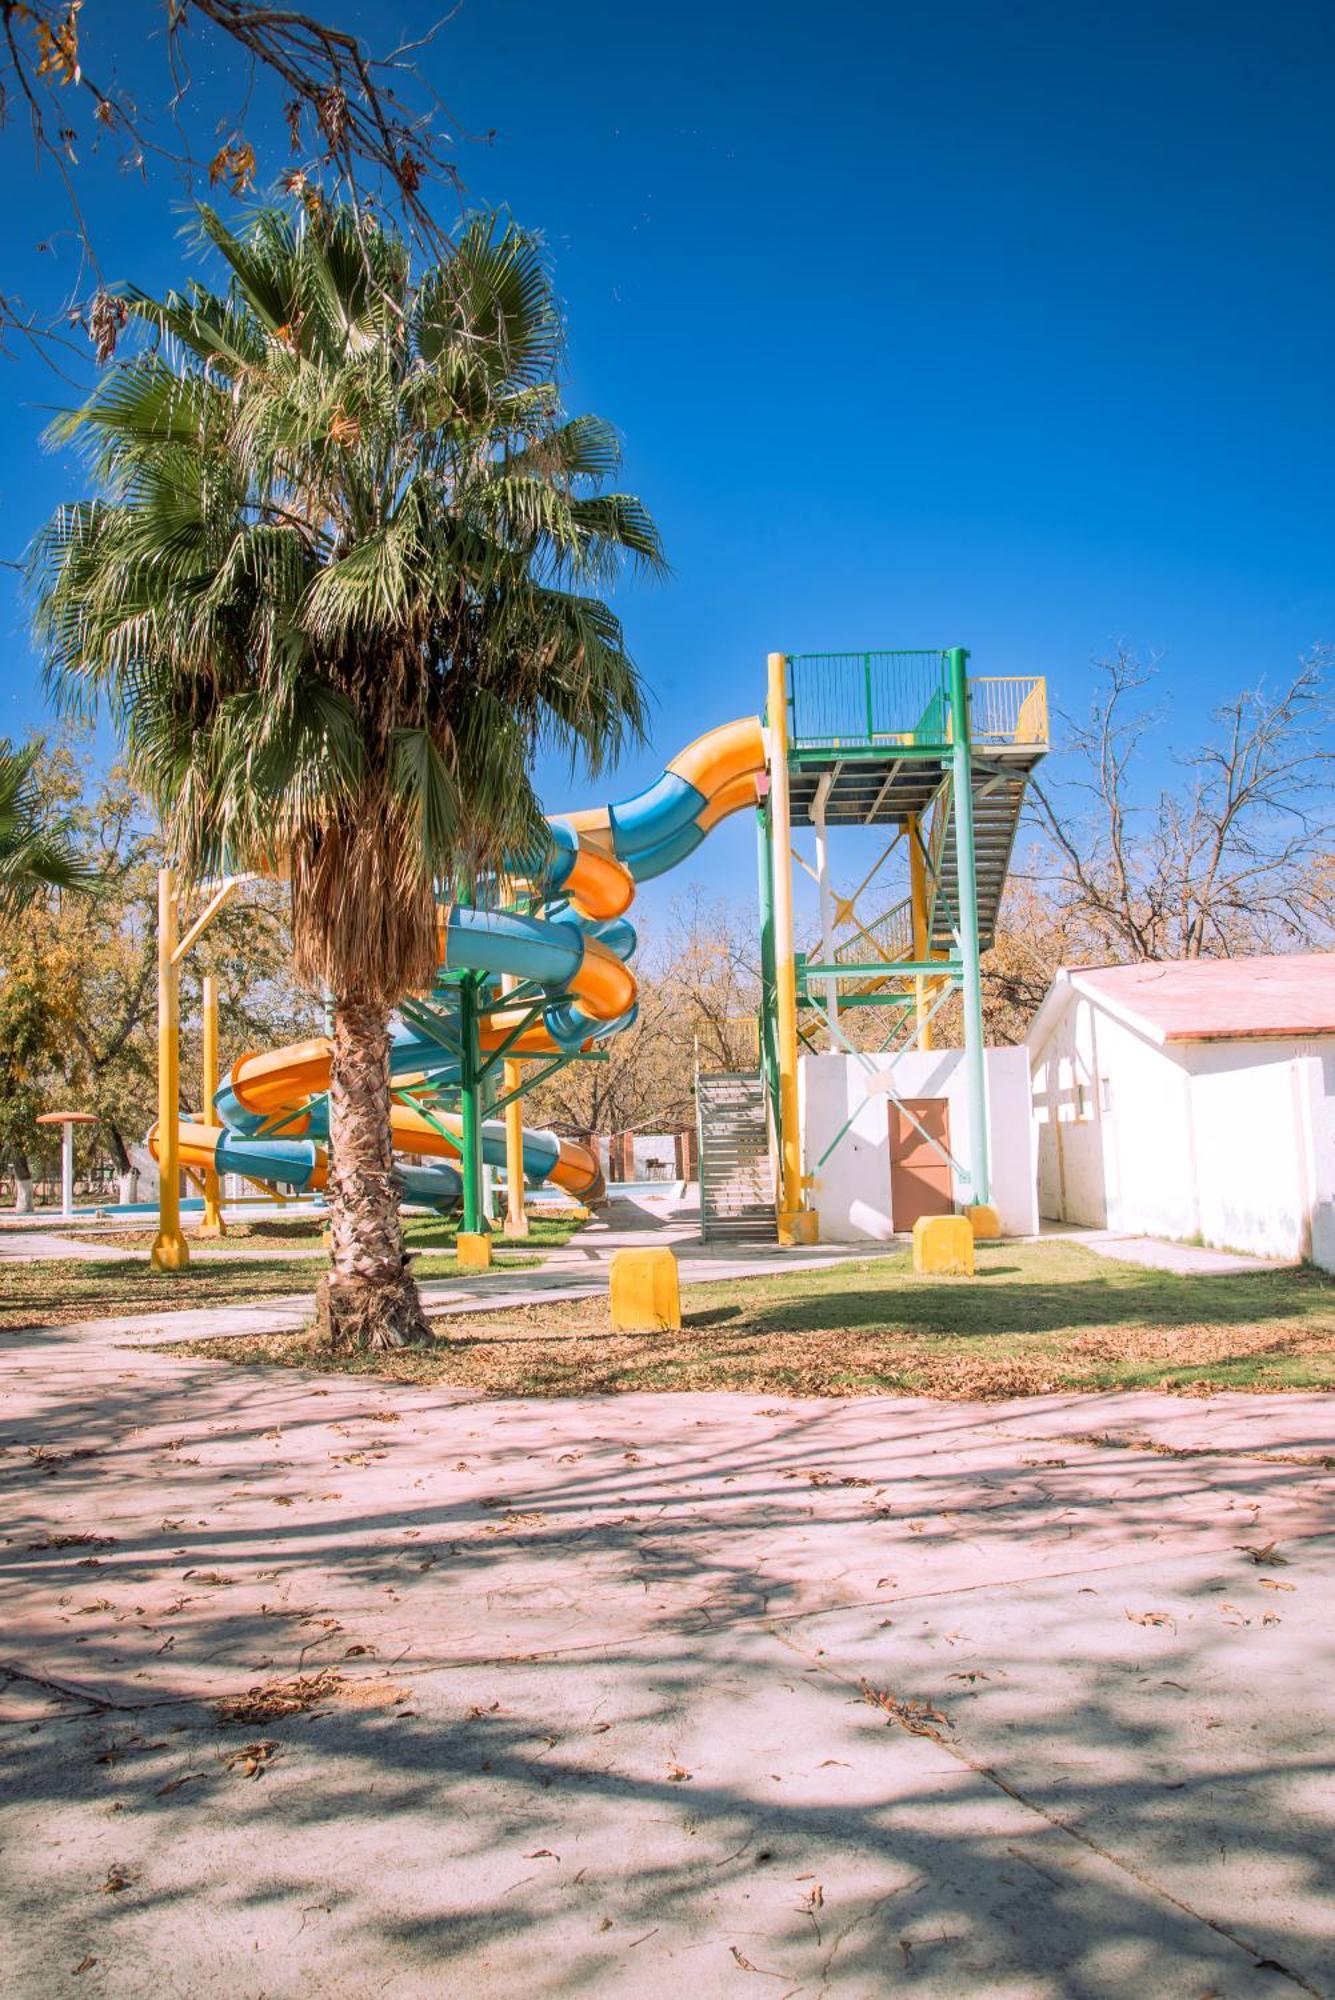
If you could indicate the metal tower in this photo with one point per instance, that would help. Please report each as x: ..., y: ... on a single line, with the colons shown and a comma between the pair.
x: 907, y: 742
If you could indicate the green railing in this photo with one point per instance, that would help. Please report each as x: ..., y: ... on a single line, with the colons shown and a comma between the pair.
x: 874, y: 701
x: 861, y: 701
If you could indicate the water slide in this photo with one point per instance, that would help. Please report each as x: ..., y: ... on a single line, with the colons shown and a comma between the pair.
x: 574, y: 947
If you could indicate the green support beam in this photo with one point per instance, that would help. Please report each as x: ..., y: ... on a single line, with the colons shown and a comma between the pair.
x: 971, y: 973
x: 879, y: 968
x: 470, y: 1107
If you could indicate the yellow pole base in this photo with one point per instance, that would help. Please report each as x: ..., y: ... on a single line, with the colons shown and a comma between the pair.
x: 646, y: 1294
x: 170, y: 1252
x: 984, y: 1221
x: 798, y: 1227
x: 211, y: 1225
x: 473, y: 1250
x: 943, y: 1246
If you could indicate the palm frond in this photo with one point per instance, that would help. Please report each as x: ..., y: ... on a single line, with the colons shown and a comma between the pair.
x: 341, y: 581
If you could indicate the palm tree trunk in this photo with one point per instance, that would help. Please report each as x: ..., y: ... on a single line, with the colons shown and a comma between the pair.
x: 369, y: 1299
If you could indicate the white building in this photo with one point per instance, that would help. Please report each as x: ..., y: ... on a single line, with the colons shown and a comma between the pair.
x: 1192, y: 1099
x: 873, y: 1169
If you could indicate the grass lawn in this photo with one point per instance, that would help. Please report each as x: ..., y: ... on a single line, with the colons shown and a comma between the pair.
x: 1038, y: 1317
x: 54, y: 1293
x: 420, y: 1232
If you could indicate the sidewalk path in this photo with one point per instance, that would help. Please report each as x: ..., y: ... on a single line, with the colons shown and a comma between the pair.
x: 1155, y: 1253
x: 619, y: 1697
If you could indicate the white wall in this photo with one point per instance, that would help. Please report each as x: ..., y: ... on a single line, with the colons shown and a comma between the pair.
x: 852, y: 1195
x: 1232, y: 1141
x: 1112, y: 1113
x: 1319, y: 1065
x: 1264, y: 1127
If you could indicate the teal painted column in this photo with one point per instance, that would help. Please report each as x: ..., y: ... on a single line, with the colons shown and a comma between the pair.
x: 470, y: 1107
x: 768, y: 1056
x: 971, y: 975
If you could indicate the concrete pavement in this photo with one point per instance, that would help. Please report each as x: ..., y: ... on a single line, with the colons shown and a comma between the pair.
x: 1156, y: 1253
x: 751, y: 1694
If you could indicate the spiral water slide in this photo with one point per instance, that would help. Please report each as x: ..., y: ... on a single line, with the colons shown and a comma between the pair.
x: 573, y: 946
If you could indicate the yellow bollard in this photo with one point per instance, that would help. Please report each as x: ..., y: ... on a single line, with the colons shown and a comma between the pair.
x: 943, y: 1246
x: 646, y: 1297
x: 212, y: 1223
x: 473, y: 1250
x: 170, y: 1251
x: 984, y: 1221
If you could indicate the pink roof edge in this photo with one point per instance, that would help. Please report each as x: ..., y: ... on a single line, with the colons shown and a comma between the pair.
x: 1217, y: 999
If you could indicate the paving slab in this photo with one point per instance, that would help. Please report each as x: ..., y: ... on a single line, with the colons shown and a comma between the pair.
x: 1157, y: 1253
x: 41, y: 1246
x: 830, y: 1697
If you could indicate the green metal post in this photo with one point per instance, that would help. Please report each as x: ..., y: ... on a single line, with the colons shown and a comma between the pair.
x: 768, y: 1056
x: 470, y: 1107
x: 971, y: 975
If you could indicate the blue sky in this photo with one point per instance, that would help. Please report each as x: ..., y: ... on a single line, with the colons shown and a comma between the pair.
x: 1007, y: 325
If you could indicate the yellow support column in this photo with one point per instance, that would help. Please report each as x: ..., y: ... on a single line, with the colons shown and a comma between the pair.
x: 516, y: 1218
x: 796, y: 1223
x: 169, y: 1252
x: 212, y: 1224
x: 918, y: 908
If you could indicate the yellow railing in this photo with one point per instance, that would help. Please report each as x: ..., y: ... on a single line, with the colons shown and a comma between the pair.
x: 1009, y: 709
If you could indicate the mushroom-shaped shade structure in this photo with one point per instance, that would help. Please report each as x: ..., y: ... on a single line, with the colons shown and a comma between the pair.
x: 67, y: 1120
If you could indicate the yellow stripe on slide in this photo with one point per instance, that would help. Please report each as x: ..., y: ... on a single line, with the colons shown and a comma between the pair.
x: 603, y: 983
x: 593, y: 825
x: 735, y: 797
x: 722, y: 755
x: 280, y: 1078
x: 597, y: 885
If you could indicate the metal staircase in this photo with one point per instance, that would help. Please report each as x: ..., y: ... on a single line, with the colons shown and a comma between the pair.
x: 736, y: 1177
x: 998, y: 801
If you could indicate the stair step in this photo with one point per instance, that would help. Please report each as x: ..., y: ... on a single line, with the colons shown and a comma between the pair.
x: 736, y: 1178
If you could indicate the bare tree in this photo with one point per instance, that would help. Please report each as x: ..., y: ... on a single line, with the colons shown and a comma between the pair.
x: 364, y: 124
x: 1235, y: 858
x: 698, y: 994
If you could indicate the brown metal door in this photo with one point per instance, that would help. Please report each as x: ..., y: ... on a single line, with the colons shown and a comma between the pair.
x: 920, y: 1180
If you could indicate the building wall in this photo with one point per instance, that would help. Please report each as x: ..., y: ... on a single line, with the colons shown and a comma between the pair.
x: 1112, y: 1115
x: 1233, y: 1141
x: 1264, y: 1130
x: 852, y: 1195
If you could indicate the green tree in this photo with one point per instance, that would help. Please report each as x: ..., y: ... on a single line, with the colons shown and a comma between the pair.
x: 36, y: 851
x: 78, y: 987
x: 340, y: 585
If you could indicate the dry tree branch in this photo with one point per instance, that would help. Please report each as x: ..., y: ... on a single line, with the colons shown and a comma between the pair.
x: 369, y: 128
x: 1229, y: 861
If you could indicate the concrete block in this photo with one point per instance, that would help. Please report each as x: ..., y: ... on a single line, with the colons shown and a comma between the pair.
x: 473, y: 1251
x: 797, y: 1226
x: 943, y: 1246
x: 646, y: 1295
x: 984, y: 1221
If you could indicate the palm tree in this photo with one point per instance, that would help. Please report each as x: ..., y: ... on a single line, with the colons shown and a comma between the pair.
x: 35, y: 849
x: 340, y: 586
